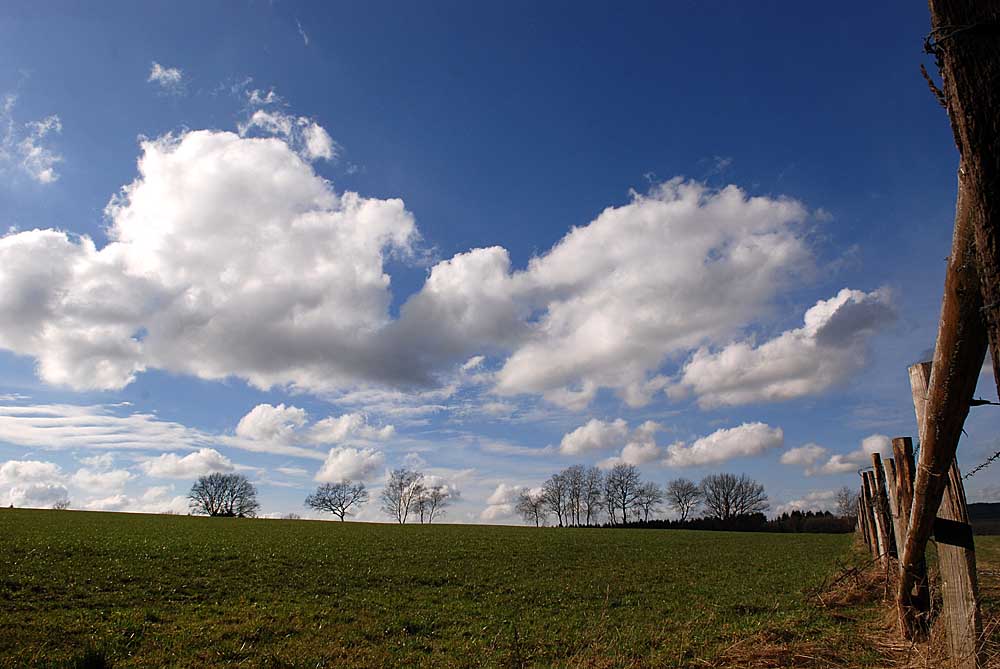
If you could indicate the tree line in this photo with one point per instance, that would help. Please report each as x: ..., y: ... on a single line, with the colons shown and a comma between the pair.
x: 590, y: 496
x: 407, y: 496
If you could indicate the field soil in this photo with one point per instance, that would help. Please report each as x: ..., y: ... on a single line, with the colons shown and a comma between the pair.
x: 80, y: 589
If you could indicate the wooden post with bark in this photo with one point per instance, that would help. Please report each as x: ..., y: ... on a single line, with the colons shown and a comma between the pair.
x: 956, y: 550
x: 868, y: 485
x: 965, y: 42
x: 898, y: 531
x: 919, y: 595
x: 882, y: 517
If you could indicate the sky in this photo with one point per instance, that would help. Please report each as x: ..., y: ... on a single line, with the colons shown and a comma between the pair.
x: 314, y: 241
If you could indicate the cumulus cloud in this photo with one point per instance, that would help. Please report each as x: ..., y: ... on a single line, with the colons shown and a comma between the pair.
x: 336, y: 429
x: 31, y: 483
x: 829, y: 348
x: 818, y: 500
x: 192, y: 465
x: 169, y: 79
x: 640, y: 449
x: 92, y: 480
x: 742, y: 441
x: 26, y: 145
x: 594, y: 435
x: 841, y: 463
x: 229, y: 256
x: 272, y: 423
x: 346, y: 463
x: 38, y: 495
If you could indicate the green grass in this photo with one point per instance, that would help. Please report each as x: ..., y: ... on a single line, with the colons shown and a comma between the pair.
x: 157, y: 591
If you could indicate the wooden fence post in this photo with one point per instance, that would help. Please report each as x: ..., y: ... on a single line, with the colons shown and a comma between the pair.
x: 956, y: 551
x: 906, y: 467
x: 882, y: 517
x: 863, y: 519
x: 878, y: 550
x: 898, y: 531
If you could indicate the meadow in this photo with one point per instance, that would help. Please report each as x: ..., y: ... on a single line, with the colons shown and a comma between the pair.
x: 177, y: 591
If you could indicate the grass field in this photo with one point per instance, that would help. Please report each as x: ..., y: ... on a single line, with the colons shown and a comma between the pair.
x: 156, y: 591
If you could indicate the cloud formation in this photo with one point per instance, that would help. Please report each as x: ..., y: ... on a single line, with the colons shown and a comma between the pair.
x: 741, y: 441
x: 170, y: 465
x: 169, y: 79
x: 829, y: 348
x: 25, y: 146
x: 345, y: 463
x: 595, y: 435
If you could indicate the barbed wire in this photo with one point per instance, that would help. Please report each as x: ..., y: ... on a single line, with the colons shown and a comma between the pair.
x: 989, y: 461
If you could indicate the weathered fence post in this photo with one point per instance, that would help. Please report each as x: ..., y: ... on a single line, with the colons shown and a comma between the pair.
x: 878, y: 550
x: 919, y: 595
x: 956, y: 551
x: 882, y: 517
x: 958, y: 357
x: 898, y: 531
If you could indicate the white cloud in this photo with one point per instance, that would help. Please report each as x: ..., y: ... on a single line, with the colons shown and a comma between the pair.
x: 69, y: 426
x: 343, y: 463
x: 594, y: 435
x: 28, y: 471
x: 841, y: 463
x: 169, y: 79
x: 25, y: 146
x: 827, y: 350
x: 818, y: 500
x: 337, y: 429
x: 505, y: 494
x: 803, y: 455
x: 229, y: 257
x: 645, y: 281
x: 37, y: 495
x: 271, y: 423
x: 307, y: 137
x: 640, y: 449
x: 101, y: 481
x: 193, y: 465
x: 744, y: 440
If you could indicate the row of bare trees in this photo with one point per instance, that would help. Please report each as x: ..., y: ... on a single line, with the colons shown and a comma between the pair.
x: 581, y: 495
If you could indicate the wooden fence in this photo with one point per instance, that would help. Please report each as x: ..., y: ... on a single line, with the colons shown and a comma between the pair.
x: 885, y: 507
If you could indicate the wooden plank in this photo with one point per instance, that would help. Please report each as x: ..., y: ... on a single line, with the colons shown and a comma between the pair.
x: 960, y: 612
x: 883, y: 519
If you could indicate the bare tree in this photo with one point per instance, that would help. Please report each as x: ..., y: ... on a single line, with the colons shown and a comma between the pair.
x: 401, y: 492
x: 221, y: 494
x: 60, y: 505
x: 648, y: 498
x: 847, y: 502
x: 574, y: 477
x: 556, y: 493
x: 683, y: 496
x: 593, y: 484
x: 531, y: 506
x: 338, y: 498
x: 727, y: 495
x: 621, y: 488
x: 430, y: 502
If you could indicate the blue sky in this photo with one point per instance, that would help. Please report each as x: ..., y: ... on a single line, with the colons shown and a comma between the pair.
x: 334, y: 210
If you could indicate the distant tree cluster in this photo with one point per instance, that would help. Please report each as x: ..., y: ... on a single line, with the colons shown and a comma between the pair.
x: 219, y: 494
x: 586, y: 496
x: 408, y: 496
